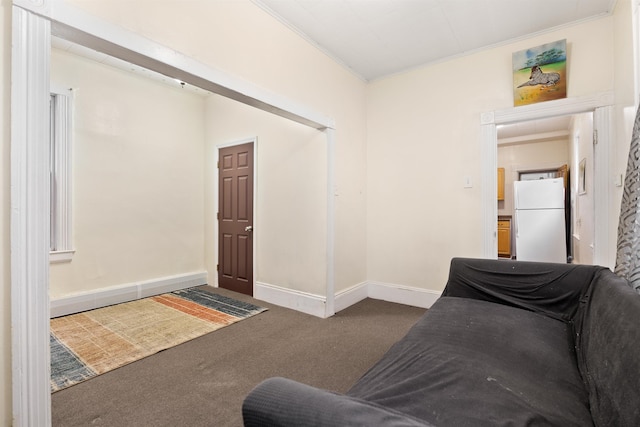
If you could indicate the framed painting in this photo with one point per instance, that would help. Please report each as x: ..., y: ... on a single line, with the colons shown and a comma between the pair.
x: 540, y: 73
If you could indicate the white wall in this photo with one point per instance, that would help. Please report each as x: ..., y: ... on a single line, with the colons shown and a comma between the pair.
x: 424, y: 138
x: 240, y: 38
x: 291, y: 194
x: 138, y: 178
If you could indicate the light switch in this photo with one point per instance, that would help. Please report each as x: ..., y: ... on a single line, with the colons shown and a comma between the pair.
x: 467, y: 182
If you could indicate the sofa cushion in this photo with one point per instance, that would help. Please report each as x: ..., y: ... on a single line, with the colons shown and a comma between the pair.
x: 473, y: 363
x: 547, y: 288
x: 608, y: 345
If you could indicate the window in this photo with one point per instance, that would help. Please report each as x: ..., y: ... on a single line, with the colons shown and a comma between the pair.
x: 61, y: 245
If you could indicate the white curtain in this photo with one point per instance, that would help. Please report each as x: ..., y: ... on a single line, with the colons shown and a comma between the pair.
x: 628, y: 255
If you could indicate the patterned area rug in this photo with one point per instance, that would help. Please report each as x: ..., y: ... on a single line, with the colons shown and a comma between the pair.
x: 88, y: 344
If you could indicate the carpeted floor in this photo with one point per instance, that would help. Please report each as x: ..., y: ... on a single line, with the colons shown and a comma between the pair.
x: 91, y: 343
x: 203, y: 382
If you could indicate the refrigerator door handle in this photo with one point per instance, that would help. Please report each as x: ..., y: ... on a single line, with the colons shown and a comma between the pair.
x: 516, y: 221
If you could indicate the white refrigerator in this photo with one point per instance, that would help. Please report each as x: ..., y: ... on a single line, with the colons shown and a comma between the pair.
x: 540, y: 220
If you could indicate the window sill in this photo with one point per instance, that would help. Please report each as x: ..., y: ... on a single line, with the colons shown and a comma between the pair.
x: 57, y: 257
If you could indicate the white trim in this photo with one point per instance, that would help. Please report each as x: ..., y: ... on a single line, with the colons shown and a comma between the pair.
x: 567, y: 106
x: 253, y: 139
x: 38, y: 7
x: 63, y: 143
x: 604, y: 238
x: 90, y: 31
x: 305, y: 302
x: 256, y: 231
x: 400, y: 294
x: 560, y: 107
x: 315, y: 304
x: 331, y: 220
x: 118, y: 294
x: 352, y: 295
x: 489, y: 159
x: 57, y: 257
x: 30, y: 219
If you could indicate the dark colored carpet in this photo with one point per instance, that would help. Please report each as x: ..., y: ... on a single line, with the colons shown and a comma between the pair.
x: 203, y: 382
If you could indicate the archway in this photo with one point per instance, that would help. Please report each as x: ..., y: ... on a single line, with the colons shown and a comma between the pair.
x: 601, y: 106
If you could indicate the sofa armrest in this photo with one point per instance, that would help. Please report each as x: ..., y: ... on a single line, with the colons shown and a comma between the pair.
x: 279, y: 402
x: 547, y: 288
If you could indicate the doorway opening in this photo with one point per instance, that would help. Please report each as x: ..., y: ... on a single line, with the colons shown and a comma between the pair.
x: 551, y: 148
x: 600, y: 109
x: 30, y: 305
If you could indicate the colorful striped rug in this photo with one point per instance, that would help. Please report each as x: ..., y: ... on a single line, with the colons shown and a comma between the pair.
x: 88, y: 344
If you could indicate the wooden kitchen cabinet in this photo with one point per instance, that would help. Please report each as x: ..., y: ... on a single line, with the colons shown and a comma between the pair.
x: 500, y: 183
x: 504, y: 237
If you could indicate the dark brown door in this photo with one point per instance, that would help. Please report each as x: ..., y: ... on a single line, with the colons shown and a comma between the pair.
x: 235, y: 218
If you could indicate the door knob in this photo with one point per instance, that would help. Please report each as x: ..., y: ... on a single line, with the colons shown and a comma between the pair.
x: 248, y: 228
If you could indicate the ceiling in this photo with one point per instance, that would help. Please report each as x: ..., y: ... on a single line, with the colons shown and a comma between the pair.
x: 534, y: 130
x: 377, y: 38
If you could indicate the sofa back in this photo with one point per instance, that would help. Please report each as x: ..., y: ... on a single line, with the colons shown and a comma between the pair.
x: 607, y: 334
x: 546, y: 288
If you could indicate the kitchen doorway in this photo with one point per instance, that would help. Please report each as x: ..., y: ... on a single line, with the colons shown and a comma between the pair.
x: 557, y: 147
x: 601, y: 106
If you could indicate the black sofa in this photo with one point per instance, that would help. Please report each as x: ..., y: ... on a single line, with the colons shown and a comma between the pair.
x: 508, y: 344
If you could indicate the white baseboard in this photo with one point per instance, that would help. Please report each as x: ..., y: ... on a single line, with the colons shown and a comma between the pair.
x: 123, y: 293
x: 305, y: 302
x: 316, y: 304
x: 352, y: 295
x: 401, y: 294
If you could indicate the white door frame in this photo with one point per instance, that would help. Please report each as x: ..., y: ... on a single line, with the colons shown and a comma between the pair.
x: 32, y: 24
x: 602, y: 107
x: 30, y: 219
